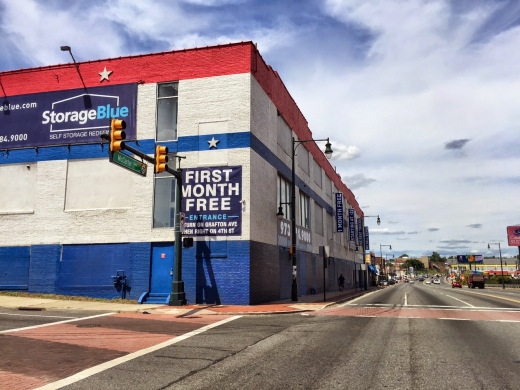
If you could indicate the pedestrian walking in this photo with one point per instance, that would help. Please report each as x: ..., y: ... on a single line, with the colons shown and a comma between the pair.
x: 341, y: 282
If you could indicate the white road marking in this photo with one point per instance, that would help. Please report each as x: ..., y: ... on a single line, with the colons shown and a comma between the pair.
x: 405, y: 300
x: 460, y: 300
x: 123, y: 359
x: 54, y: 323
x: 437, y: 307
x: 454, y: 319
x: 32, y: 315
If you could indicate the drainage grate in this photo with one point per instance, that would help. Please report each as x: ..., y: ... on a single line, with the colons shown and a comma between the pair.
x: 88, y: 326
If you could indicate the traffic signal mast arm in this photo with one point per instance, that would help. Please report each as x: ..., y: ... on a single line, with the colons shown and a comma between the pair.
x: 152, y: 160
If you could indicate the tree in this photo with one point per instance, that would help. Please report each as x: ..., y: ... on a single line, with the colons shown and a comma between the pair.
x: 435, y: 257
x: 416, y: 264
x: 404, y: 255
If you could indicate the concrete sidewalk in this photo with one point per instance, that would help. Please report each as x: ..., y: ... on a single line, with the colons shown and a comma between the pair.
x: 305, y: 303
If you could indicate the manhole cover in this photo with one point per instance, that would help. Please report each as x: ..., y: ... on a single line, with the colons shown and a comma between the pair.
x: 88, y: 326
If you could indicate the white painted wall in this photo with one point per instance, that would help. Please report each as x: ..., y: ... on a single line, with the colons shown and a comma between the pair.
x: 87, y: 211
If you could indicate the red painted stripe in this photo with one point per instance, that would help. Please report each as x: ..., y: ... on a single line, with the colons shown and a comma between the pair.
x: 149, y: 68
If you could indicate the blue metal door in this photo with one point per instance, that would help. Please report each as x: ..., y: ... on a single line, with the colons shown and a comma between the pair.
x: 162, y: 268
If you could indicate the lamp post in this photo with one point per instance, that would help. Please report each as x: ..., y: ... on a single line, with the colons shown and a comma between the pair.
x: 328, y: 154
x: 381, y: 253
x: 67, y: 48
x: 364, y: 245
x: 501, y: 267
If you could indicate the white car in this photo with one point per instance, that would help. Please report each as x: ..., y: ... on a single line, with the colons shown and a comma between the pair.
x: 428, y: 281
x: 436, y: 281
x: 412, y: 281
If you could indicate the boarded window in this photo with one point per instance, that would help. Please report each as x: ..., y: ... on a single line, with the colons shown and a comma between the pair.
x: 97, y: 184
x: 317, y: 173
x: 303, y: 158
x: 284, y: 135
x: 318, y: 219
x: 18, y: 183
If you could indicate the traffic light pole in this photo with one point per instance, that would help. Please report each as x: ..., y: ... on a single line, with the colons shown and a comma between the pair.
x: 177, y: 295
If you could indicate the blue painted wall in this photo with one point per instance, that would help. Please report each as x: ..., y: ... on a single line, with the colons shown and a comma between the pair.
x: 217, y: 272
x: 44, y: 269
x: 14, y: 267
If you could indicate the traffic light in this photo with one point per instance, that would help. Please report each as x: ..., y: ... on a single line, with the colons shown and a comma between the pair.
x: 161, y: 158
x: 117, y: 135
x: 187, y: 242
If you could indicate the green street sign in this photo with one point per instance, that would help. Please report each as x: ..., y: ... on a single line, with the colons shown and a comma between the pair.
x: 129, y: 163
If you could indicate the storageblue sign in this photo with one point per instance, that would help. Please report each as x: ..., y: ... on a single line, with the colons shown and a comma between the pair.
x: 339, y: 212
x: 211, y: 201
x: 351, y: 226
x: 66, y: 117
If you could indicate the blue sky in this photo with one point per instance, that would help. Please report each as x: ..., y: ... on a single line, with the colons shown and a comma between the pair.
x: 420, y: 98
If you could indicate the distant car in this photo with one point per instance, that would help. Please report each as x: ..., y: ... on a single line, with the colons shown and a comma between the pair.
x: 412, y: 281
x: 456, y: 284
x: 428, y: 281
x: 436, y: 281
x: 391, y: 281
x: 406, y: 281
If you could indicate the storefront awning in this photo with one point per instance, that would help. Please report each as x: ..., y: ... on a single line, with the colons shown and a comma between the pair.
x: 373, y: 269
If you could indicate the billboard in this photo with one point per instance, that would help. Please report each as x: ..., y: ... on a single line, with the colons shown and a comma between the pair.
x: 470, y: 259
x: 513, y: 235
x: 66, y: 117
x: 212, y: 201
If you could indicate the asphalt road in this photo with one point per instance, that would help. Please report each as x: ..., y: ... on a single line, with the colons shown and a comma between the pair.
x: 407, y: 336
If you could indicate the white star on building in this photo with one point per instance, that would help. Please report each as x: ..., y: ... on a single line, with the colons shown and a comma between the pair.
x: 104, y: 75
x: 213, y: 143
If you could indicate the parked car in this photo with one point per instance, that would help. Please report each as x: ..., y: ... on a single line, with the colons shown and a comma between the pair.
x: 456, y: 284
x: 436, y: 281
x: 391, y: 281
x: 428, y: 281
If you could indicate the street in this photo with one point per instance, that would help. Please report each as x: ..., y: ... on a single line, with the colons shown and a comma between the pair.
x: 407, y: 336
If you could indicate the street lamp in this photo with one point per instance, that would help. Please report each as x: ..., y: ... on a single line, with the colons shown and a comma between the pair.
x: 501, y: 267
x: 381, y: 253
x: 279, y: 214
x: 67, y: 48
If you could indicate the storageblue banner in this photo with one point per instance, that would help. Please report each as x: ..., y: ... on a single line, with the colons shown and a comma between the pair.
x: 66, y: 117
x: 367, y: 243
x: 351, y: 226
x: 339, y: 212
x: 211, y: 201
x: 360, y: 232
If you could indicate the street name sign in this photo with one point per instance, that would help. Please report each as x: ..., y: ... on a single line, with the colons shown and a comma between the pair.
x: 128, y: 162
